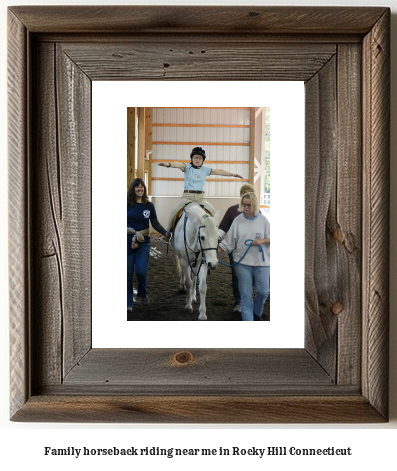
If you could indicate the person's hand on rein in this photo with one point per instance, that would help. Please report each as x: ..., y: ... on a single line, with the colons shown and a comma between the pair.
x: 260, y: 241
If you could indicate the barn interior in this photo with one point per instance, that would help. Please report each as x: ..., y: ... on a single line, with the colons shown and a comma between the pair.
x: 234, y: 139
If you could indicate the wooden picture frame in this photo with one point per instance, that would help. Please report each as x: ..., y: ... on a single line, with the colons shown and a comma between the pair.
x: 342, y: 54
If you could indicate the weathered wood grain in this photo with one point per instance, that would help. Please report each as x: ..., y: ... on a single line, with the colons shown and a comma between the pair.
x: 346, y: 228
x: 73, y: 110
x: 18, y: 221
x: 251, y: 370
x: 321, y: 159
x: 221, y: 59
x: 341, y: 376
x: 47, y: 202
x: 199, y: 19
x: 376, y: 106
x: 61, y: 204
x: 199, y: 409
x: 333, y: 215
x: 195, y: 39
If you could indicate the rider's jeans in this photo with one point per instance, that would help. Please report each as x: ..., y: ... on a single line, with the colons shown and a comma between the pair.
x: 246, y: 274
x: 140, y: 258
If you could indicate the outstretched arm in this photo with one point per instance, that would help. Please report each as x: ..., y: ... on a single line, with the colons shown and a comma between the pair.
x: 224, y: 173
x: 158, y: 227
x: 173, y: 165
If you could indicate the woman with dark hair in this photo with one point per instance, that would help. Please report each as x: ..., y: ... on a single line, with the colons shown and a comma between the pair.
x: 195, y: 175
x: 139, y: 212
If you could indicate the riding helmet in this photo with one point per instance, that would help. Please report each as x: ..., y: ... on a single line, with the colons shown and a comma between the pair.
x: 198, y: 151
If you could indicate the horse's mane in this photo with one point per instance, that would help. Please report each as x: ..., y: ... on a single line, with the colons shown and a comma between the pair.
x: 194, y: 204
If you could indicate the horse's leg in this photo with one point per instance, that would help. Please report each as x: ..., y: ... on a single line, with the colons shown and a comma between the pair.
x: 194, y: 288
x: 203, y: 293
x: 182, y: 288
x: 182, y: 283
x: 188, y: 283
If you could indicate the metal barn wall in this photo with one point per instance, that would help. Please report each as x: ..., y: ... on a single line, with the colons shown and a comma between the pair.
x: 223, y: 132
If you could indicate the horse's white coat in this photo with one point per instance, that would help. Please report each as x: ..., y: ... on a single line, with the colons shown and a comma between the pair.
x: 196, y: 217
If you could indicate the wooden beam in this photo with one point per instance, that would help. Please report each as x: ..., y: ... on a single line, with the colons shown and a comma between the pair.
x: 203, y: 108
x: 130, y: 145
x: 141, y: 144
x: 208, y: 179
x: 260, y: 133
x: 202, y: 143
x: 252, y: 146
x: 206, y: 162
x: 263, y: 157
x: 148, y: 146
x: 201, y: 125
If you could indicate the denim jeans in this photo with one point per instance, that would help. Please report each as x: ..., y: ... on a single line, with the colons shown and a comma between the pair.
x: 236, y: 292
x: 140, y: 258
x: 246, y: 274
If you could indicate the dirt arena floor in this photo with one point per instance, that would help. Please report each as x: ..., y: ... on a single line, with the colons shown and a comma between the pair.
x: 167, y: 303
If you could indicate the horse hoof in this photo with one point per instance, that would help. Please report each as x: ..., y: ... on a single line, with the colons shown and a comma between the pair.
x: 202, y: 318
x: 188, y: 310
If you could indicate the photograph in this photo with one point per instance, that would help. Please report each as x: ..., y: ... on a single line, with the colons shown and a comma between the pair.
x: 198, y: 237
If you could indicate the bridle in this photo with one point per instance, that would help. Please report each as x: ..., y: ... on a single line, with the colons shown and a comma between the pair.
x: 199, y: 252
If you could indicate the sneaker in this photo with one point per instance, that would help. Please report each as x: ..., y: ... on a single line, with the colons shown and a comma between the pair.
x: 237, y: 308
x: 145, y: 301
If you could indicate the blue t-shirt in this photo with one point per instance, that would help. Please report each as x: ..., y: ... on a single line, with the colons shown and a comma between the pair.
x: 195, y: 178
x: 138, y: 217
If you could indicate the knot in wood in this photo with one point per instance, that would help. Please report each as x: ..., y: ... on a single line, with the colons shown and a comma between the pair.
x: 350, y: 243
x: 338, y: 235
x: 337, y: 308
x: 183, y: 358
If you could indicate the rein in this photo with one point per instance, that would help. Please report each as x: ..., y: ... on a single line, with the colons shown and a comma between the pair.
x: 249, y: 243
x: 197, y: 254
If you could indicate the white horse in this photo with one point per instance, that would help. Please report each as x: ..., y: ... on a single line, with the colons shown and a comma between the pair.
x: 195, y: 243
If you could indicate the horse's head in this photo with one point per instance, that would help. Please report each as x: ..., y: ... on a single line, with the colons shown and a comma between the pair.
x: 208, y: 238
